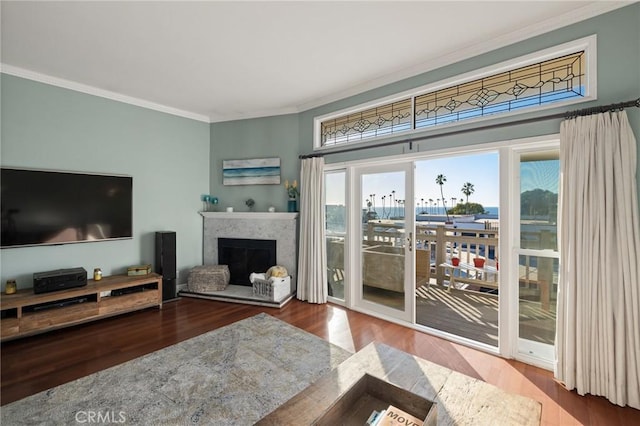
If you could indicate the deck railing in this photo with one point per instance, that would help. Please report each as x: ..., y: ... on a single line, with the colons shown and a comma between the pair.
x: 464, y: 243
x: 440, y: 240
x: 435, y: 244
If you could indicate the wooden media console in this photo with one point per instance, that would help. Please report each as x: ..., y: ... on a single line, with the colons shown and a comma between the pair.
x: 25, y: 313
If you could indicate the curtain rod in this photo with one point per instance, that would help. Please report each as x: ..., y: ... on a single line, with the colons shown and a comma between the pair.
x: 568, y: 114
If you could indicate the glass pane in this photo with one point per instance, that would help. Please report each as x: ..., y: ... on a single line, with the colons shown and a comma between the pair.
x: 539, y: 183
x: 383, y: 239
x: 336, y: 227
x: 537, y: 294
x: 456, y: 226
x: 538, y: 84
x: 383, y: 120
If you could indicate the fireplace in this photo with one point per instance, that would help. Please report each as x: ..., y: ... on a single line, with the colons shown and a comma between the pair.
x: 248, y: 236
x: 244, y: 256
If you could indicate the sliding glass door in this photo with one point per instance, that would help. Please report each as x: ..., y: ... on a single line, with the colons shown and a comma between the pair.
x: 537, y: 253
x: 336, y: 233
x: 385, y: 272
x: 457, y: 241
x: 461, y: 245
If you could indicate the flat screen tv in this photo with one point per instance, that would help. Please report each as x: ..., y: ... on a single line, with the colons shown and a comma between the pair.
x: 54, y: 207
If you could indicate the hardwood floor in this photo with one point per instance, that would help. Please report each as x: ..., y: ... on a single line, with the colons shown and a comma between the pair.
x: 33, y: 364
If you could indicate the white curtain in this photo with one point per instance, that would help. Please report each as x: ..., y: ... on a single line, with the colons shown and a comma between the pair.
x: 598, y: 323
x: 312, y: 258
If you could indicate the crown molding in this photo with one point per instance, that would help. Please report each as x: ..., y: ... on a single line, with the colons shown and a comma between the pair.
x: 256, y: 114
x: 586, y: 12
x: 577, y: 15
x: 91, y: 90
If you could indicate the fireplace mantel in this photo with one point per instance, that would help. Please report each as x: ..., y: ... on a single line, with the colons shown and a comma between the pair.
x: 250, y: 215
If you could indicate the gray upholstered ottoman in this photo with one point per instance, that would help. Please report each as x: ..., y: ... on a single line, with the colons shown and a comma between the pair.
x: 207, y: 278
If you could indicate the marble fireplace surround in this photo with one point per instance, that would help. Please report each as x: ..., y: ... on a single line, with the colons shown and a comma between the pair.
x: 281, y: 227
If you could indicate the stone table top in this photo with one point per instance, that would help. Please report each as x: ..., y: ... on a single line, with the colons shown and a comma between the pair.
x: 460, y: 399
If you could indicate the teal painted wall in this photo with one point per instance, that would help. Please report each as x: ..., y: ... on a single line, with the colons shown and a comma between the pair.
x: 276, y: 136
x: 48, y: 127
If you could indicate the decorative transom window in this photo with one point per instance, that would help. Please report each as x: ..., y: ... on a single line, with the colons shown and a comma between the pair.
x: 558, y: 76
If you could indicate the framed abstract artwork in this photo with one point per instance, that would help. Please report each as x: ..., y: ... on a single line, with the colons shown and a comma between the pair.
x: 258, y: 171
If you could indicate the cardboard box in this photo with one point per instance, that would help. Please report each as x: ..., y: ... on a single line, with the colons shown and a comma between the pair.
x: 394, y: 416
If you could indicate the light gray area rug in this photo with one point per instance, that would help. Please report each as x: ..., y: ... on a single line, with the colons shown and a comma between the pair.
x: 233, y: 375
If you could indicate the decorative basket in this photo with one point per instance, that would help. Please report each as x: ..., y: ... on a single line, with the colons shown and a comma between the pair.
x: 208, y: 278
x: 274, y: 289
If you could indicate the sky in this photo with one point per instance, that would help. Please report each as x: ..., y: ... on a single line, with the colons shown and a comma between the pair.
x: 480, y: 169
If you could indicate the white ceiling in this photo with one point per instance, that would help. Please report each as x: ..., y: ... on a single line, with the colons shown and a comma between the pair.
x: 217, y: 61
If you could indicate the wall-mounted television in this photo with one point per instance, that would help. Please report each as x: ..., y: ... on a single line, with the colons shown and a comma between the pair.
x: 58, y: 207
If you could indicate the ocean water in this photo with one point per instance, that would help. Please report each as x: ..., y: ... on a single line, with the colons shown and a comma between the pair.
x: 435, y: 210
x: 336, y: 215
x: 492, y: 210
x: 397, y: 212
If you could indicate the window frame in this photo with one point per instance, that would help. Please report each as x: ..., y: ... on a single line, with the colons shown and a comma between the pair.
x: 587, y: 44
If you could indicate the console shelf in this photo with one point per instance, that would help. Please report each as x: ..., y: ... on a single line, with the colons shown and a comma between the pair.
x: 25, y: 313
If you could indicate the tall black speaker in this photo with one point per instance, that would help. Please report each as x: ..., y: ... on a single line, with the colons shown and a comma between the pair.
x: 166, y: 262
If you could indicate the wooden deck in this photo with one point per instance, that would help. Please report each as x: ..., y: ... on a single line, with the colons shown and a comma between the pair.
x: 468, y: 314
x: 474, y: 315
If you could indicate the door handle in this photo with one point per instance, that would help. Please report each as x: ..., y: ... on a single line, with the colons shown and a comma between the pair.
x: 410, y: 241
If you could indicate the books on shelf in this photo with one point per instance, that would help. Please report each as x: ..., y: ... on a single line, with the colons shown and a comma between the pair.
x: 393, y: 416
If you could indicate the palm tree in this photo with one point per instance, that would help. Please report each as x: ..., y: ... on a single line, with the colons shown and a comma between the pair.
x: 392, y: 197
x: 440, y: 180
x: 467, y: 189
x: 384, y: 211
x: 431, y: 205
